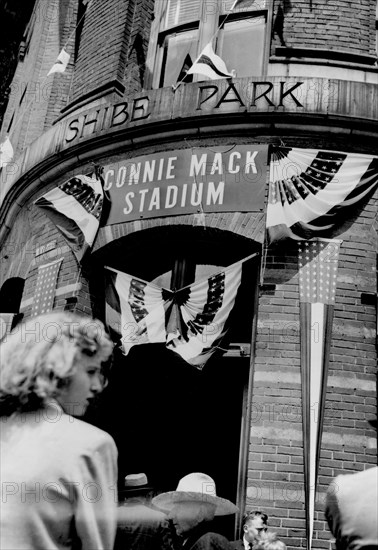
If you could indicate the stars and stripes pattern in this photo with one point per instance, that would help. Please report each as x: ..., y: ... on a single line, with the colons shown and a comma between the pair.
x: 75, y: 209
x: 204, y: 309
x: 318, y: 265
x: 310, y: 188
x: 209, y: 64
x: 44, y: 294
x: 135, y: 309
x: 191, y: 321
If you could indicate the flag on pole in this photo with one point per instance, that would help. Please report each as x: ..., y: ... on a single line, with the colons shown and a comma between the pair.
x: 247, y: 4
x: 45, y: 287
x: 309, y: 189
x: 210, y: 64
x: 6, y: 152
x: 135, y: 309
x: 75, y: 208
x: 318, y: 264
x: 61, y: 63
x: 184, y: 76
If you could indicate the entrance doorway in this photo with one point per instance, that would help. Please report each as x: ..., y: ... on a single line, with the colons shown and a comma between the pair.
x: 169, y: 418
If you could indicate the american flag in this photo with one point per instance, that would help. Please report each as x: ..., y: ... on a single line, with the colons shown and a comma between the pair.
x: 318, y: 265
x: 75, y: 208
x: 190, y: 321
x: 44, y: 293
x: 309, y: 189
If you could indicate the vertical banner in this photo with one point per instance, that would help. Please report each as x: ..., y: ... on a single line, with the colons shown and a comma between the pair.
x: 45, y: 287
x: 318, y: 264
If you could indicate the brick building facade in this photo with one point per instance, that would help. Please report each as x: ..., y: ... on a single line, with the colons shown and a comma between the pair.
x: 312, y: 84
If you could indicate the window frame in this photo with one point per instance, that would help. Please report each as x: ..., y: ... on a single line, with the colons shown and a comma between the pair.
x: 208, y: 29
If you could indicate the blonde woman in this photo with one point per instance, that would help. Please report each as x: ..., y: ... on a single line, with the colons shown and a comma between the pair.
x: 58, y: 473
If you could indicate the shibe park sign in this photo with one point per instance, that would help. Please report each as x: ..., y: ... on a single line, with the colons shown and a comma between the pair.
x: 209, y: 179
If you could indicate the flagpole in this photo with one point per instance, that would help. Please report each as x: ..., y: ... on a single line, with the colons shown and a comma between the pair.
x: 190, y: 284
x: 220, y: 271
x: 139, y: 278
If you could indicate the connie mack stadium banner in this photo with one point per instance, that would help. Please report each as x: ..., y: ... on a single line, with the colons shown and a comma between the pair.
x: 230, y: 178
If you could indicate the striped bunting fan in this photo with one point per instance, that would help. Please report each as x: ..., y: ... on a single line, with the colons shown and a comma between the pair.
x: 135, y: 309
x: 309, y: 189
x: 75, y: 209
x: 204, y: 308
x: 191, y: 321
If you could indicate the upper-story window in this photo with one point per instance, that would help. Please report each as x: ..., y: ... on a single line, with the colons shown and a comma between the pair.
x: 182, y: 28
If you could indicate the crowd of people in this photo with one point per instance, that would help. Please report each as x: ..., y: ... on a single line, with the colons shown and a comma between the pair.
x: 59, y: 474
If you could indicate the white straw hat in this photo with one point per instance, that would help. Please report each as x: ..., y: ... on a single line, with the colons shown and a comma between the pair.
x: 195, y: 487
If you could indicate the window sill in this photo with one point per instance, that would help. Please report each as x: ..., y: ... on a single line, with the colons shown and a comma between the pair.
x: 320, y: 56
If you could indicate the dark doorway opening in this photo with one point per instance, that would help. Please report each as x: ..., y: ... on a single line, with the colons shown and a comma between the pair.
x: 169, y: 418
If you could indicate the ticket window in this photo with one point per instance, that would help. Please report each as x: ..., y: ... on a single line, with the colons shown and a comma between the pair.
x: 169, y: 418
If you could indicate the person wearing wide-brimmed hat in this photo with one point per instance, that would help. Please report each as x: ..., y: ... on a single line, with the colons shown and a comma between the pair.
x: 140, y: 527
x: 192, y: 507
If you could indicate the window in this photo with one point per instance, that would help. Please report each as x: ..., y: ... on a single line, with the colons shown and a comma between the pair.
x: 182, y: 28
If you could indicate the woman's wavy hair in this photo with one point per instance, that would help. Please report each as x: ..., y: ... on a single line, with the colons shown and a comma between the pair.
x: 39, y: 356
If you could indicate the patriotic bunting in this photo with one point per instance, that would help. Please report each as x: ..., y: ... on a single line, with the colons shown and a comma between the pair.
x: 309, y: 189
x: 191, y: 321
x: 210, y: 64
x: 318, y: 263
x: 204, y: 308
x: 6, y: 152
x: 135, y: 309
x: 61, y: 63
x: 45, y: 287
x: 75, y: 208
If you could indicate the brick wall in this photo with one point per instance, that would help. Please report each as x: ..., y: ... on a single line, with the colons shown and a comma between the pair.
x: 103, y: 46
x: 349, y: 444
x: 334, y: 25
x: 36, y: 99
x: 31, y: 230
x: 135, y: 68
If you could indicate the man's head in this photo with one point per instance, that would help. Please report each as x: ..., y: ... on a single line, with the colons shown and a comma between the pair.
x: 254, y: 525
x: 194, y: 502
x: 136, y: 487
x: 186, y: 516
